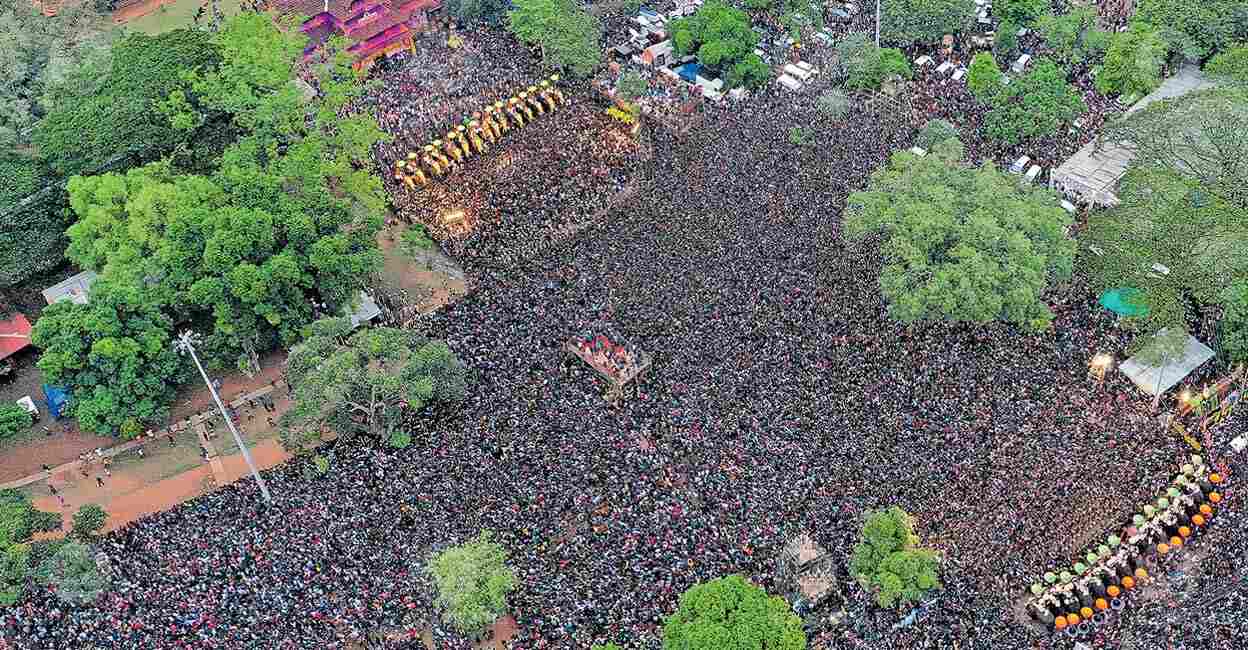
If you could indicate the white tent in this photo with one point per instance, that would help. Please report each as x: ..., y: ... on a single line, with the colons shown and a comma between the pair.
x: 1152, y: 379
x: 364, y: 312
x: 74, y: 288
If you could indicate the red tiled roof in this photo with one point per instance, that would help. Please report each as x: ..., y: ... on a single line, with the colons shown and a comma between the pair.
x: 14, y: 335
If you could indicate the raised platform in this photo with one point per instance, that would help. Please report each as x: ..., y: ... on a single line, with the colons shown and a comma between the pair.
x: 618, y: 375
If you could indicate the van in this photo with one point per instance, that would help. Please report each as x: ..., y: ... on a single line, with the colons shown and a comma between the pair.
x: 797, y: 73
x: 789, y: 82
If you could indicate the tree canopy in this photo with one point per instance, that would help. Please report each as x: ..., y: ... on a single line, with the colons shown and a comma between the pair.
x: 875, y: 65
x: 288, y: 218
x: 1230, y: 66
x: 961, y: 243
x: 1189, y: 135
x: 1168, y: 219
x: 730, y: 612
x: 1020, y: 12
x: 73, y: 574
x: 889, y: 561
x: 364, y: 382
x: 1133, y: 62
x: 984, y: 78
x: 718, y: 34
x: 37, y: 51
x: 115, y: 355
x: 1196, y: 29
x: 110, y: 109
x: 906, y: 22
x: 1036, y: 104
x: 936, y: 132
x: 473, y: 581
x: 566, y: 34
x: 1073, y: 37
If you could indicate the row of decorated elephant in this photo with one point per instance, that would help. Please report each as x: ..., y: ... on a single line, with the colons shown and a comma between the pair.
x: 477, y: 133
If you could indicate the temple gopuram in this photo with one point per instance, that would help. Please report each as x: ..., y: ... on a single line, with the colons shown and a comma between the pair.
x: 376, y: 28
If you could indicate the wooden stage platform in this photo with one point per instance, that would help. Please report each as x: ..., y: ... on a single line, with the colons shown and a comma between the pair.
x: 617, y: 378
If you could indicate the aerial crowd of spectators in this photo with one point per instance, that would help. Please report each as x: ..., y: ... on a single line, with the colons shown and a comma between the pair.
x: 782, y: 400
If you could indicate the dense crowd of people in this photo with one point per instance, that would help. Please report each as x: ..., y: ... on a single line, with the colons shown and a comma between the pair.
x: 782, y: 400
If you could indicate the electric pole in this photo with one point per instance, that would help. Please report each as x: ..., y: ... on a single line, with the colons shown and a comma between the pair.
x: 186, y: 345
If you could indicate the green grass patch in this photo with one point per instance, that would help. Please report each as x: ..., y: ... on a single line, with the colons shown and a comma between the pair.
x: 174, y: 15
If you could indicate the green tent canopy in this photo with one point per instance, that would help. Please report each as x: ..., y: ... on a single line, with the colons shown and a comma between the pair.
x: 1124, y: 302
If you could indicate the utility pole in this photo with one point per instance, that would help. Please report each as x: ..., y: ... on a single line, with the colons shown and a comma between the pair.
x: 186, y: 345
x: 877, y: 24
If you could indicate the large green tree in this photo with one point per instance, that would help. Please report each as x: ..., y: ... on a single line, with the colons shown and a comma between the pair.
x: 365, y: 382
x: 730, y: 612
x: 38, y: 50
x: 1195, y: 136
x: 718, y: 34
x: 566, y: 34
x: 1037, y: 104
x: 1196, y: 29
x: 1166, y: 219
x: 115, y: 355
x: 1073, y: 37
x: 889, y: 561
x: 73, y: 574
x: 961, y: 243
x: 109, y: 111
x: 1133, y: 62
x: 906, y: 22
x: 472, y: 581
x: 984, y: 78
x: 1230, y: 66
x: 288, y: 217
x: 1020, y: 12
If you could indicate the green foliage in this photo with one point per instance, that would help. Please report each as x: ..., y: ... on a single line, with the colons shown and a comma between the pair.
x: 888, y: 559
x: 35, y: 52
x: 798, y: 136
x: 868, y: 67
x: 473, y: 581
x: 833, y: 104
x: 88, y: 521
x: 1074, y: 36
x: 321, y: 463
x: 1196, y: 29
x: 962, y: 244
x: 73, y: 574
x: 1192, y: 136
x: 19, y: 177
x: 1230, y: 66
x: 1163, y: 347
x: 609, y: 646
x: 907, y: 22
x: 1168, y: 219
x: 632, y: 85
x: 1037, y: 104
x: 42, y: 521
x: 1234, y: 325
x: 476, y: 12
x: 1020, y: 12
x: 14, y: 567
x: 14, y: 419
x: 758, y: 5
x: 1005, y: 44
x: 936, y: 132
x: 289, y: 217
x: 99, y: 114
x: 751, y: 72
x: 1133, y: 62
x: 416, y: 240
x: 15, y: 518
x: 115, y: 355
x: 365, y: 384
x: 983, y: 77
x: 566, y: 34
x: 718, y: 34
x: 730, y: 612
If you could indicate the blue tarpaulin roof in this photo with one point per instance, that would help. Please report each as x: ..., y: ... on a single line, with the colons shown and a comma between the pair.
x: 1124, y: 302
x: 56, y: 398
x: 689, y: 71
